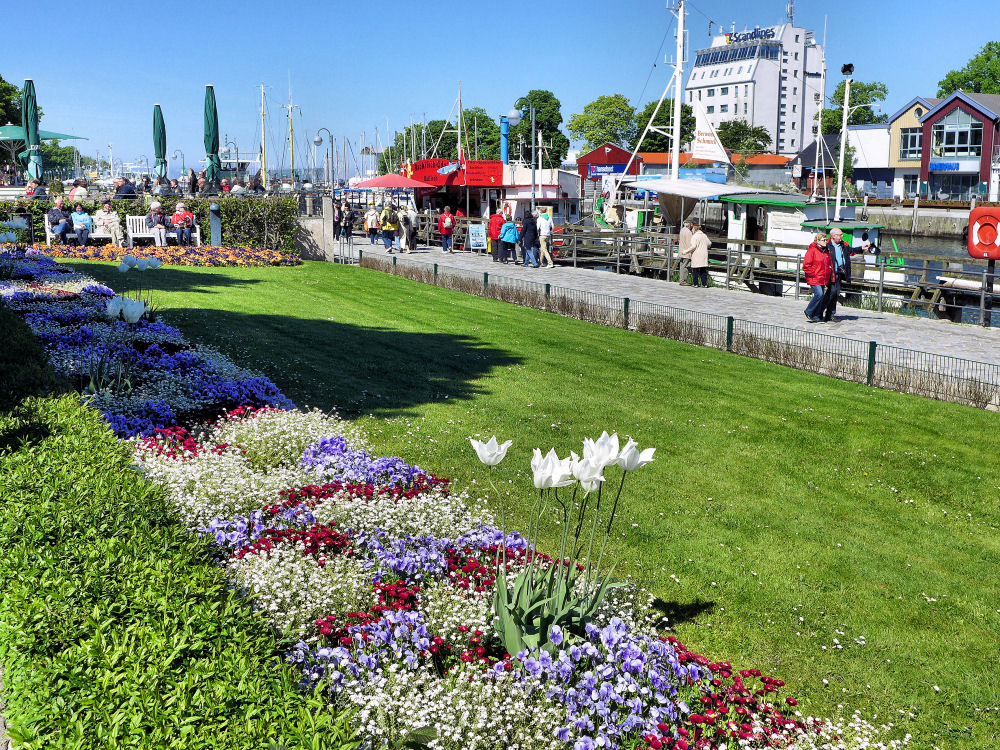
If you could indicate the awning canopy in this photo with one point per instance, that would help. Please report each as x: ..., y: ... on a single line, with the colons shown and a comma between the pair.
x: 393, y: 182
x: 16, y: 133
x: 693, y: 188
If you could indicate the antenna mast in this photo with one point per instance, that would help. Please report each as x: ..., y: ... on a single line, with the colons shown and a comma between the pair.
x: 263, y: 139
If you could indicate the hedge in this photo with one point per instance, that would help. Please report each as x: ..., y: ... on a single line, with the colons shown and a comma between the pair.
x: 116, y: 628
x: 269, y: 222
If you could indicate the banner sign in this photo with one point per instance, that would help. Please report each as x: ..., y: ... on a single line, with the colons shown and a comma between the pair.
x: 482, y: 173
x: 477, y: 236
x: 706, y: 141
x: 596, y: 170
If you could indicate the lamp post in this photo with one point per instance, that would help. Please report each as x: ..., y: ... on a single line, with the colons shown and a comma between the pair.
x: 318, y: 141
x: 847, y: 70
x: 514, y: 117
x: 174, y: 157
x: 144, y: 158
x: 111, y: 161
x: 227, y: 151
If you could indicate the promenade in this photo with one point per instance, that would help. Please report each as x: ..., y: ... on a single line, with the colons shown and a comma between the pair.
x: 922, y: 334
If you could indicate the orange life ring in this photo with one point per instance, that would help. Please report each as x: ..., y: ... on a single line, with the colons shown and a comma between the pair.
x: 984, y: 232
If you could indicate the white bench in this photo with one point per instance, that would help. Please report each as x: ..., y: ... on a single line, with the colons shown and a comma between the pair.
x: 96, y: 233
x: 136, y: 228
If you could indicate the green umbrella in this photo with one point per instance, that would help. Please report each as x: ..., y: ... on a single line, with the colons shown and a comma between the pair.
x: 31, y: 157
x: 212, y: 163
x: 16, y: 133
x: 159, y: 143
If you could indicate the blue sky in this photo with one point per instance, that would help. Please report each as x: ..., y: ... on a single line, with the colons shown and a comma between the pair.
x: 352, y: 65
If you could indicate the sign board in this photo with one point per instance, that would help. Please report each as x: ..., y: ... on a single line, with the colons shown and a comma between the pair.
x: 477, y: 236
x: 956, y: 165
x: 597, y: 170
x: 483, y: 173
x: 706, y: 141
x: 749, y: 36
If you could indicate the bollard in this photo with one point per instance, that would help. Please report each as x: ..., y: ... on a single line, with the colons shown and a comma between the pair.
x: 215, y: 221
x: 360, y: 256
x: 435, y: 273
x: 548, y: 288
x: 872, y: 346
x: 798, y: 274
x: 729, y: 333
x: 625, y: 303
x: 486, y: 279
x: 881, y: 284
x: 393, y: 261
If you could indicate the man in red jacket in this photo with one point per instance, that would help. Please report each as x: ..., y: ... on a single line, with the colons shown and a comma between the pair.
x: 446, y: 226
x: 818, y: 268
x: 493, y: 229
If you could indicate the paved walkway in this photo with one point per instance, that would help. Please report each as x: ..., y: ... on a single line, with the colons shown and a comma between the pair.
x: 922, y: 334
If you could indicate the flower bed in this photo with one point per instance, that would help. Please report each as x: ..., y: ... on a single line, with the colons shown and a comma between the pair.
x: 174, y: 255
x: 402, y: 595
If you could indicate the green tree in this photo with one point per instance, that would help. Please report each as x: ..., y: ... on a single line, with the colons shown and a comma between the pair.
x: 981, y: 75
x: 548, y: 118
x: 657, y: 142
x: 607, y: 119
x: 476, y: 120
x: 865, y: 97
x: 740, y: 137
x: 10, y: 103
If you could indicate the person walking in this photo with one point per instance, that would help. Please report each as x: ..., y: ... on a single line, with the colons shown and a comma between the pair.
x: 111, y: 223
x: 529, y: 239
x: 389, y: 220
x: 336, y: 218
x: 81, y: 224
x: 545, y: 227
x: 156, y: 222
x: 346, y: 220
x: 684, y: 249
x: 818, y: 268
x: 493, y: 235
x: 446, y: 226
x: 371, y: 223
x: 410, y: 226
x: 699, y: 255
x: 840, y: 255
x: 508, y: 238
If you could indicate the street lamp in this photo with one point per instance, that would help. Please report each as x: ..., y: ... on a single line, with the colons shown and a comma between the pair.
x: 145, y: 158
x: 174, y: 157
x: 318, y: 141
x: 846, y: 71
x: 514, y: 117
x: 227, y: 151
x: 111, y: 161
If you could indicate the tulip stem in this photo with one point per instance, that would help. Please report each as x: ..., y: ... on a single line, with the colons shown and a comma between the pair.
x: 611, y: 520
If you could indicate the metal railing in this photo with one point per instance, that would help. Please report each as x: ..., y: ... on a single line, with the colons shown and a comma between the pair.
x: 884, y: 366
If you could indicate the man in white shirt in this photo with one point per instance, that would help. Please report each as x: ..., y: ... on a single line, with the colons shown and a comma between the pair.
x: 685, y: 246
x: 545, y: 226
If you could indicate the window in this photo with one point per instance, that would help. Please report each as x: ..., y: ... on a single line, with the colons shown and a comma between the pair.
x: 795, y: 90
x: 796, y: 38
x: 793, y: 143
x: 795, y: 73
x: 958, y: 134
x: 744, y: 107
x: 910, y: 184
x: 724, y: 108
x: 909, y: 142
x: 724, y: 91
x: 710, y: 109
x: 793, y: 125
x: 796, y: 55
x: 699, y: 95
x: 690, y: 96
x: 918, y: 112
x: 711, y: 92
x: 794, y: 107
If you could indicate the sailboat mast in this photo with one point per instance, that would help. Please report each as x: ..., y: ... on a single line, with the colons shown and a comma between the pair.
x: 263, y: 139
x: 675, y: 146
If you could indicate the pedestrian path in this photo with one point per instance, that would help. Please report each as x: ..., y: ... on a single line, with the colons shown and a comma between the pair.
x: 922, y: 334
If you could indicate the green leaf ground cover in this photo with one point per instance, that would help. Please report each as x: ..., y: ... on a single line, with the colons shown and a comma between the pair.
x: 841, y: 538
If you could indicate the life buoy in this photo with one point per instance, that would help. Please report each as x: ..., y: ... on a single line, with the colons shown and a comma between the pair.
x: 984, y: 233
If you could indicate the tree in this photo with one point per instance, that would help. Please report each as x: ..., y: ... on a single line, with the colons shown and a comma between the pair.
x: 981, y: 75
x: 476, y: 118
x: 607, y: 119
x: 864, y: 98
x: 548, y: 118
x: 657, y: 142
x: 740, y: 137
x: 10, y: 103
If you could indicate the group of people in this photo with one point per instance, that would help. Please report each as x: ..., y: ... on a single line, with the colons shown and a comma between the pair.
x: 826, y: 265
x: 534, y: 235
x: 693, y: 245
x: 106, y: 219
x: 396, y: 224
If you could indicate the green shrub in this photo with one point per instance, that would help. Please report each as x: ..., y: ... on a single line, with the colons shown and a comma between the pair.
x: 24, y: 369
x: 117, y: 630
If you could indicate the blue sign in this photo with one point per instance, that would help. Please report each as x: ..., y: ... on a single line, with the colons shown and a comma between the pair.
x: 944, y: 166
x: 596, y: 170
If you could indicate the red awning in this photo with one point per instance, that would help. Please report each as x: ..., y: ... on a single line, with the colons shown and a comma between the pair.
x: 391, y: 181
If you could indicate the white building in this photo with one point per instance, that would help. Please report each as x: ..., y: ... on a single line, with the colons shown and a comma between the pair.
x: 771, y: 76
x: 870, y: 159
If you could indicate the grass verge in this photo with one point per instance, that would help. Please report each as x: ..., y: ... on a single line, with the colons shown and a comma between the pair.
x: 836, y: 536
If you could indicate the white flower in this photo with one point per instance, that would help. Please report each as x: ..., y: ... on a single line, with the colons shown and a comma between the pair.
x: 132, y: 309
x: 588, y: 472
x: 603, y: 451
x: 631, y: 459
x: 490, y: 453
x: 550, y: 471
x: 123, y: 267
x: 141, y: 265
x: 113, y: 307
x: 153, y: 263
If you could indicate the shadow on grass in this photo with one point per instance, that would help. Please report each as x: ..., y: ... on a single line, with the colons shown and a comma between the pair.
x: 355, y: 369
x: 678, y: 613
x: 23, y: 435
x: 166, y: 278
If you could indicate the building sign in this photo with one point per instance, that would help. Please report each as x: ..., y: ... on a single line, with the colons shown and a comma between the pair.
x: 475, y: 174
x: 596, y: 170
x: 957, y: 165
x: 749, y: 36
x: 812, y: 74
x: 477, y: 236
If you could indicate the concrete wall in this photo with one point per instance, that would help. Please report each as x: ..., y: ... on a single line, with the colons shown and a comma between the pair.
x: 930, y: 222
x: 314, y: 240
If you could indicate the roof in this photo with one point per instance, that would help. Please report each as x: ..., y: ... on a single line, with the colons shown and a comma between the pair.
x: 988, y: 104
x: 871, y: 126
x: 602, y: 154
x: 831, y: 144
x: 690, y: 188
x: 926, y: 101
x: 844, y: 224
x: 758, y: 198
x: 754, y: 160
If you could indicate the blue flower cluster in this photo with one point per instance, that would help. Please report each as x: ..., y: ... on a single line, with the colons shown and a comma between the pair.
x: 412, y: 559
x: 335, y: 460
x: 232, y: 534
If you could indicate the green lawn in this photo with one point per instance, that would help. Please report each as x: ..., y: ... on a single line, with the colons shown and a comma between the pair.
x: 785, y: 513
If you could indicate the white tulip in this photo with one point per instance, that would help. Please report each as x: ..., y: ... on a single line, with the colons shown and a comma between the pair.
x: 141, y: 265
x: 154, y: 263
x: 490, y: 453
x: 550, y: 471
x: 603, y: 451
x: 123, y: 267
x: 113, y: 307
x: 130, y: 261
x: 631, y: 459
x: 132, y: 309
x: 588, y: 472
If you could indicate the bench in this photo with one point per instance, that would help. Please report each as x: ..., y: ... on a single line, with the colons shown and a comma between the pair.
x: 97, y: 233
x: 135, y: 228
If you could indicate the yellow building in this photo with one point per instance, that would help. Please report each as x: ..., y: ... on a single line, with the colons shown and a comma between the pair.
x: 905, y: 142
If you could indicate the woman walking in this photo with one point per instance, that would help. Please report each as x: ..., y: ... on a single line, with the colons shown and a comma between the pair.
x: 699, y: 255
x: 508, y: 238
x: 818, y: 268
